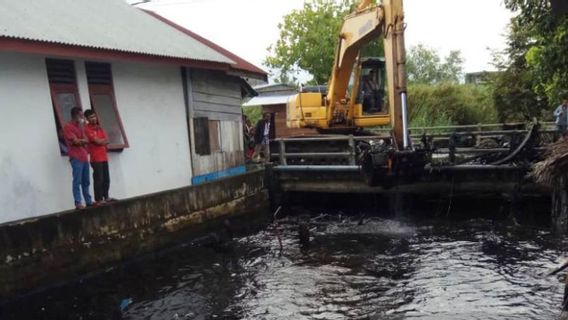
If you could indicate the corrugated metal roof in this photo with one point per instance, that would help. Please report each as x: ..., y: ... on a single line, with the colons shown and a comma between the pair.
x: 100, y: 24
x: 265, y: 101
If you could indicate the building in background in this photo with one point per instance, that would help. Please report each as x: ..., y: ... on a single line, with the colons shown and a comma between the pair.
x: 273, y: 98
x: 479, y: 78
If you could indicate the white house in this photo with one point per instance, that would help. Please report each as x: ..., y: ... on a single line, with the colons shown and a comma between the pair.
x: 168, y: 99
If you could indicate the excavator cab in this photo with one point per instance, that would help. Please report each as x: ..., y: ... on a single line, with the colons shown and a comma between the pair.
x: 371, y: 90
x: 370, y: 106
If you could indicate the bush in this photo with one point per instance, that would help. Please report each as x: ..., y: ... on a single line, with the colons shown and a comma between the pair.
x: 450, y: 104
x: 253, y: 113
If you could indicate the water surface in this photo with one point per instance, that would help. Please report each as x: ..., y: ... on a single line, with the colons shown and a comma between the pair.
x: 354, y: 268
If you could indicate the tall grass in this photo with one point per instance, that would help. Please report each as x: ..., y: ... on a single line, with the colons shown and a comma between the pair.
x: 450, y: 104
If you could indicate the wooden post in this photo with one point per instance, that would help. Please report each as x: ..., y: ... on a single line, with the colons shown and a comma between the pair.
x: 478, y: 136
x: 352, y: 158
x: 560, y: 206
x: 282, y: 150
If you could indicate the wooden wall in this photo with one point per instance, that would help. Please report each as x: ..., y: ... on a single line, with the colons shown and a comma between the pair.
x: 215, y: 96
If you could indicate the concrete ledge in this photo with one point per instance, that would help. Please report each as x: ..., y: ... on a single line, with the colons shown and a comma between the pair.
x: 38, y: 251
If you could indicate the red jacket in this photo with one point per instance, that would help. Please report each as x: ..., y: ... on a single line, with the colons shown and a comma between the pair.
x: 98, y: 152
x: 73, y: 131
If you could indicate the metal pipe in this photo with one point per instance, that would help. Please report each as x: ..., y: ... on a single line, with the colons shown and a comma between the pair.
x: 474, y: 167
x: 406, y: 141
x: 317, y: 154
x: 333, y: 168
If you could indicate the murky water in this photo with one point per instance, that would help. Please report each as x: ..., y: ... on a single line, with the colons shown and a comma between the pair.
x: 353, y: 269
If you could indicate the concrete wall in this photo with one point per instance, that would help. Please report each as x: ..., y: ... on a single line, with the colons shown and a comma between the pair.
x: 64, y: 245
x: 36, y: 180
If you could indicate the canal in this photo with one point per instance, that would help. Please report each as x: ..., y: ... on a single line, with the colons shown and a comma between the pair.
x: 354, y: 268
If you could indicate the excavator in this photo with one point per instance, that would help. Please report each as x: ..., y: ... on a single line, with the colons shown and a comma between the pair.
x: 343, y: 108
x: 355, y: 97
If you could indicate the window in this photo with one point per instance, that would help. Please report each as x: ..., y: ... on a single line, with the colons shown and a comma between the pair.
x: 207, y: 135
x: 101, y: 92
x: 64, y: 94
x: 63, y: 86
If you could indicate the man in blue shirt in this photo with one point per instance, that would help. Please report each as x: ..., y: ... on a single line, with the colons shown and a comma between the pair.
x: 561, y: 114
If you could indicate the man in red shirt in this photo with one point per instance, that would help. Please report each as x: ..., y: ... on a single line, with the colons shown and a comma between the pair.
x: 99, y: 160
x: 76, y: 143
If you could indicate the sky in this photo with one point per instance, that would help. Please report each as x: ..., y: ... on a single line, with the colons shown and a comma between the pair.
x: 248, y: 27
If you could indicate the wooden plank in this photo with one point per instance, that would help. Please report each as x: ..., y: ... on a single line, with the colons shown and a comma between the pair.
x: 214, y: 136
x: 219, y: 90
x: 215, y: 83
x: 199, y: 97
x: 215, y: 107
x: 218, y: 115
x: 218, y: 161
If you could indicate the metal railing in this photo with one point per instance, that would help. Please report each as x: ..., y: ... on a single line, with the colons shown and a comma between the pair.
x: 348, y: 151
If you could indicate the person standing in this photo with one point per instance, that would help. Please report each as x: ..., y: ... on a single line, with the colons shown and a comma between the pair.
x: 78, y: 157
x: 262, y: 134
x: 372, y: 96
x: 97, y: 147
x: 561, y: 114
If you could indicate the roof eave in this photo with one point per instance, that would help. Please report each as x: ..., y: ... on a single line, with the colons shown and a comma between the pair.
x: 71, y: 51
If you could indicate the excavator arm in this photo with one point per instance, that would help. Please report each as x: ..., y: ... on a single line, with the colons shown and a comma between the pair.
x: 396, y: 70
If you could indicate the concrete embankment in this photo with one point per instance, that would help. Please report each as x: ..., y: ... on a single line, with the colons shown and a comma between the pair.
x: 64, y: 245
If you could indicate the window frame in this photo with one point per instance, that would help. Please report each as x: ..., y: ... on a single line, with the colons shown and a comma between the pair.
x: 61, y: 87
x: 108, y: 89
x: 57, y: 88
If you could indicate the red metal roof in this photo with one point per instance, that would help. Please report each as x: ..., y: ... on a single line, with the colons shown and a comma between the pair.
x: 240, y: 64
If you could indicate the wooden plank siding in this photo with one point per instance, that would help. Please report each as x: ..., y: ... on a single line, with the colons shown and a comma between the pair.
x: 217, y: 97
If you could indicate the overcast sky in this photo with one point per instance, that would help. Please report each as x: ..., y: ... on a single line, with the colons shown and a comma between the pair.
x: 248, y: 27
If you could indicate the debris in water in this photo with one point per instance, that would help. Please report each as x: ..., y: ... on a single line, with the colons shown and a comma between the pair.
x: 124, y: 304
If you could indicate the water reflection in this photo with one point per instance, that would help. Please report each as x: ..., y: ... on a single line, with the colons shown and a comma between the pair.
x: 354, y: 268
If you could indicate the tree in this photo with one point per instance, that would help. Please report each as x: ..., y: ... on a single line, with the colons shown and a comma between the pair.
x: 535, y: 69
x: 424, y: 66
x: 308, y: 39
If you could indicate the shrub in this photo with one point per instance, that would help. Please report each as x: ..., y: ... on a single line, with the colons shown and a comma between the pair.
x: 450, y: 104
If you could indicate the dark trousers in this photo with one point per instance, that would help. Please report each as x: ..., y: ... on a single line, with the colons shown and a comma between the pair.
x: 101, y: 180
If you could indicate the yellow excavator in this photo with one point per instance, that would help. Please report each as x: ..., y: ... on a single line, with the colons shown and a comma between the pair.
x: 355, y: 93
x: 356, y: 98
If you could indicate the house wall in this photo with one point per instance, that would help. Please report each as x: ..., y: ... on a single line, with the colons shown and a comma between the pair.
x: 216, y: 96
x: 36, y: 180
